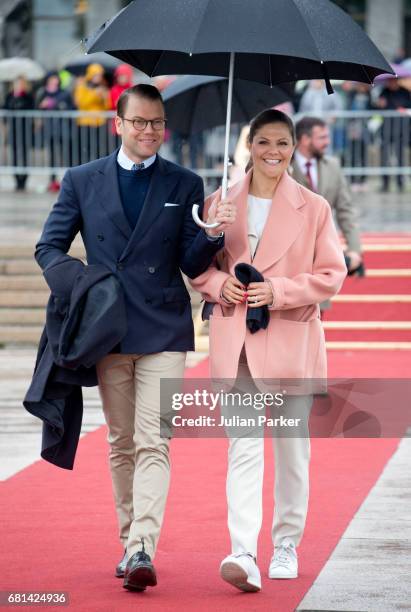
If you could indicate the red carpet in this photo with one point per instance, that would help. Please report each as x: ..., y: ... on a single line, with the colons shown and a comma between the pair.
x: 59, y: 528
x: 369, y: 311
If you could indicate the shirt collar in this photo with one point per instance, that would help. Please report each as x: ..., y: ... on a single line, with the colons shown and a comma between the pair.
x: 126, y: 163
x: 302, y: 160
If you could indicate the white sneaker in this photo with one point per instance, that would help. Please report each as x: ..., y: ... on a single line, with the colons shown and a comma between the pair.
x: 284, y: 562
x: 241, y: 571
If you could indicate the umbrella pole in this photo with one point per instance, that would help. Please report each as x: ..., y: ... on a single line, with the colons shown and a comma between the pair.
x: 228, y: 123
x: 196, y: 207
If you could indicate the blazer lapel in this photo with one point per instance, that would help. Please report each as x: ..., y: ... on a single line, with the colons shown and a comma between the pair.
x: 322, y: 176
x: 298, y: 175
x: 106, y: 184
x: 283, y: 225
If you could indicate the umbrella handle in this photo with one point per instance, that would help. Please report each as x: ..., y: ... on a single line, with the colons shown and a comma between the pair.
x: 200, y: 223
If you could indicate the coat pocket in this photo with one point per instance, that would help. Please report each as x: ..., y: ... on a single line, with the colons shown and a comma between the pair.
x: 292, y: 348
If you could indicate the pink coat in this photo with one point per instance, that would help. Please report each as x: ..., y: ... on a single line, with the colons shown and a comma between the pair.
x: 300, y: 253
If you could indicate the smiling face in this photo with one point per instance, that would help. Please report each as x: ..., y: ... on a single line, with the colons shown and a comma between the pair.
x: 271, y: 150
x: 140, y: 145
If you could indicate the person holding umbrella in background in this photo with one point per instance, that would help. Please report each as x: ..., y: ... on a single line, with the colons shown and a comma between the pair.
x: 286, y: 233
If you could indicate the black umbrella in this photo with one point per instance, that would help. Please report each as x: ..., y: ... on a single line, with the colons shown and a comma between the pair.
x: 78, y: 65
x: 269, y: 41
x: 194, y: 103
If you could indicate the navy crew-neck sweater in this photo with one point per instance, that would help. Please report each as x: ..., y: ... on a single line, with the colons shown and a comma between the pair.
x: 133, y: 187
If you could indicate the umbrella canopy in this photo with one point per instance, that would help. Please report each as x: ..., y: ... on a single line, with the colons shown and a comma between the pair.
x: 276, y: 40
x: 13, y: 67
x: 196, y: 103
x: 78, y: 65
x: 269, y: 41
x: 401, y: 72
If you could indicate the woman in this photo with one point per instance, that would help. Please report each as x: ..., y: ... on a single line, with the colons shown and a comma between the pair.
x: 286, y: 233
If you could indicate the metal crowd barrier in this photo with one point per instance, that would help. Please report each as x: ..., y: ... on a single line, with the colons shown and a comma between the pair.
x: 371, y: 143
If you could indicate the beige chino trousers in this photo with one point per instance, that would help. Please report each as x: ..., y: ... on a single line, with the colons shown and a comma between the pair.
x: 129, y: 387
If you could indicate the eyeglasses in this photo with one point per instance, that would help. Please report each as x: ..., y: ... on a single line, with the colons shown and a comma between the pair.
x: 141, y: 124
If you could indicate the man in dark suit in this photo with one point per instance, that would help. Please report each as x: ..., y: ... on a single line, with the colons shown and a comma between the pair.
x: 133, y: 209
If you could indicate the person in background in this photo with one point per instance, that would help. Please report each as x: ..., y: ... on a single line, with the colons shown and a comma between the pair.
x: 358, y: 136
x: 123, y: 76
x: 56, y: 131
x: 92, y: 94
x: 394, y: 130
x: 323, y: 174
x: 19, y: 136
x: 316, y: 100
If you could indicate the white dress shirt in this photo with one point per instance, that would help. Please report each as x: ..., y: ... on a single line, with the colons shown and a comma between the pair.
x: 302, y: 161
x: 127, y: 163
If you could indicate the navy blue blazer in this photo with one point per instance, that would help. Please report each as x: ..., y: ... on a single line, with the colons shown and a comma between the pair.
x: 147, y: 260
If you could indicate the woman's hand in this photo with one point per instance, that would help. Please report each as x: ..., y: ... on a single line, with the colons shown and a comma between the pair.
x: 233, y: 291
x: 260, y: 294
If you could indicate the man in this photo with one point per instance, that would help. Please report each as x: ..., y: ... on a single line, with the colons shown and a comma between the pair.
x: 323, y: 174
x: 133, y: 209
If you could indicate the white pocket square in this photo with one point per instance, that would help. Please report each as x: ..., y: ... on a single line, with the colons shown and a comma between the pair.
x: 170, y: 204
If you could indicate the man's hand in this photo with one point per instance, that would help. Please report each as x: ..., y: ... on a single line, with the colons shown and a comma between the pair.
x: 233, y: 291
x: 260, y: 294
x: 223, y: 211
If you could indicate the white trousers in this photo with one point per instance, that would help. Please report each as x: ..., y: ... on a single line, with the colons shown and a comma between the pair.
x: 245, y: 483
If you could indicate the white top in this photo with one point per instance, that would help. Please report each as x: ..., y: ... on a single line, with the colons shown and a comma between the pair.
x: 301, y: 161
x: 257, y: 212
x: 126, y: 163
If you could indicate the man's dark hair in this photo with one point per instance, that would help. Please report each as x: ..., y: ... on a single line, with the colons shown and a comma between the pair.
x: 305, y: 126
x: 149, y: 92
x: 270, y: 115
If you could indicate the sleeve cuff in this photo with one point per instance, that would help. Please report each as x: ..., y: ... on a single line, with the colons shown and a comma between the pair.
x: 214, y: 238
x: 277, y: 287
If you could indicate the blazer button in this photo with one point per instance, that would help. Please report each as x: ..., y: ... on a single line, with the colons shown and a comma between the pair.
x: 100, y: 237
x: 151, y: 270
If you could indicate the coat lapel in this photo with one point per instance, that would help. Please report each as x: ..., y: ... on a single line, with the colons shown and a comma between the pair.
x: 283, y: 225
x: 236, y: 238
x: 106, y: 184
